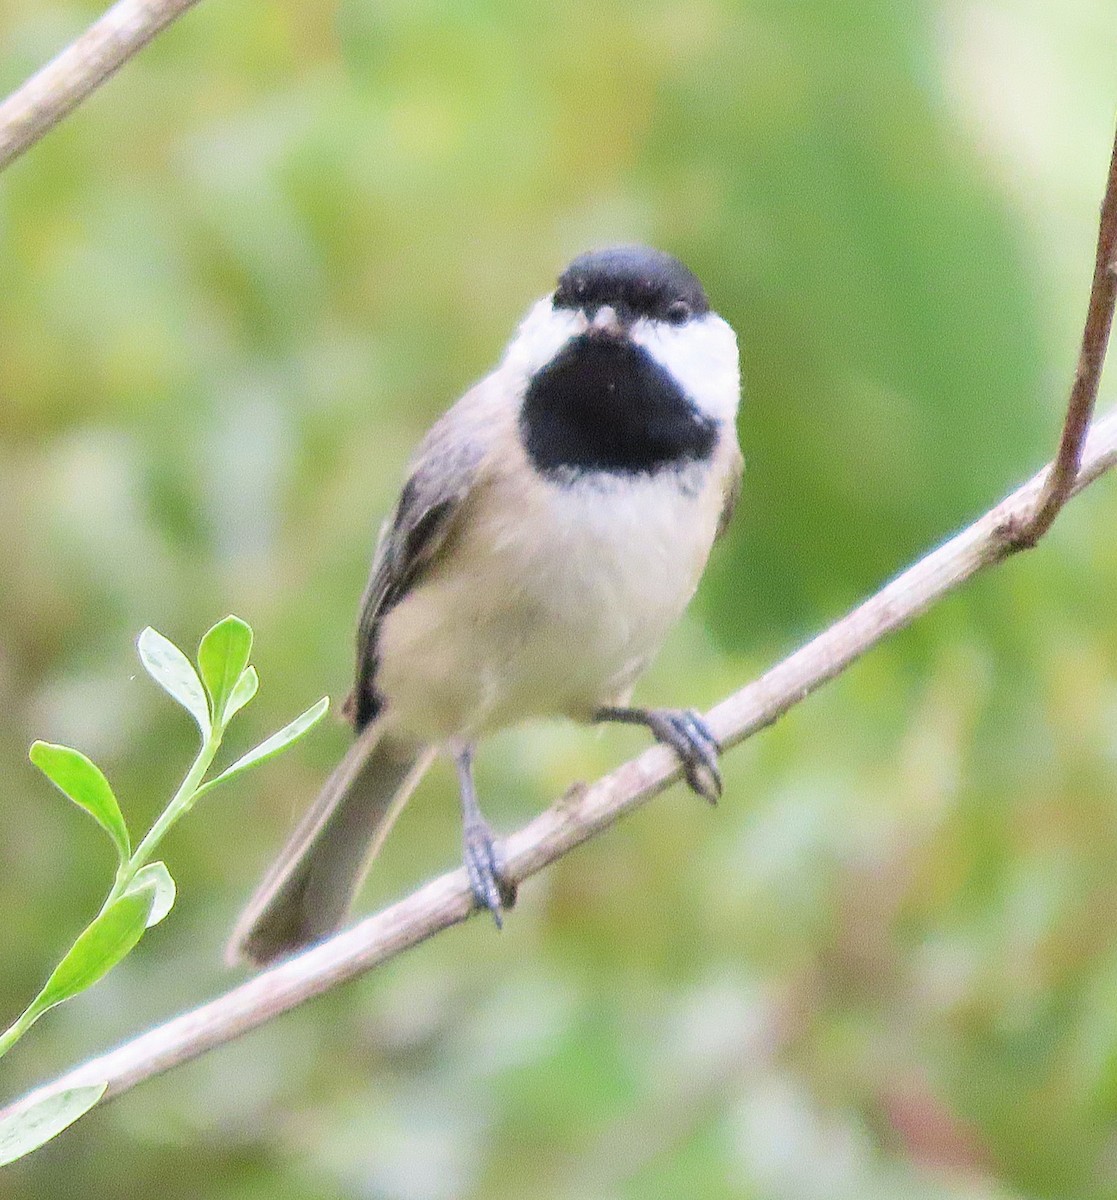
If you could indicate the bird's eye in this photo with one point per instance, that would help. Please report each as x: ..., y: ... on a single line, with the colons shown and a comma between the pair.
x: 678, y: 312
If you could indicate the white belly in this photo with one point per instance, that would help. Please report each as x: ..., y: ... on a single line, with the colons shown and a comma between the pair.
x: 552, y: 601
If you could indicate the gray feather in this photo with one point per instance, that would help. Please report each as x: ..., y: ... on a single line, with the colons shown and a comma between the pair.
x: 443, y: 471
x: 307, y: 893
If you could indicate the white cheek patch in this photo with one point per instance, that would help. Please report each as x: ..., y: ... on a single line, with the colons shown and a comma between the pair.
x: 542, y: 334
x: 702, y: 356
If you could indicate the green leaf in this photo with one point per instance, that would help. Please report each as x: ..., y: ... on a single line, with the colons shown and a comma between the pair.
x: 243, y: 691
x: 80, y: 779
x: 98, y: 949
x: 33, y: 1126
x: 222, y: 658
x: 277, y: 742
x: 171, y: 670
x: 155, y: 875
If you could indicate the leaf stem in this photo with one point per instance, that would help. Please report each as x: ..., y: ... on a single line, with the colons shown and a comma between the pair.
x: 180, y: 804
x: 16, y: 1030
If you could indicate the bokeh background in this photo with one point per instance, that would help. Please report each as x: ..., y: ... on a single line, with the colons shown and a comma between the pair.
x: 234, y: 289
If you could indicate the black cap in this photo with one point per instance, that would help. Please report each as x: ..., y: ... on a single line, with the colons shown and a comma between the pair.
x: 636, y: 281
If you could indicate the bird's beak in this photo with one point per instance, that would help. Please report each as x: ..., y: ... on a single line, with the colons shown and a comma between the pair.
x: 606, y: 323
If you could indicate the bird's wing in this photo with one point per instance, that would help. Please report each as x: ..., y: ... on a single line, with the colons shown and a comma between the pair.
x: 732, y: 493
x: 443, y: 472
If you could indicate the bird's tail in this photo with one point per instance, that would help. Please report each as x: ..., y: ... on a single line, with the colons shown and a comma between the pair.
x: 306, y: 894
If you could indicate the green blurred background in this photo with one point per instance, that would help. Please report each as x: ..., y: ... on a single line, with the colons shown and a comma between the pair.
x: 234, y: 289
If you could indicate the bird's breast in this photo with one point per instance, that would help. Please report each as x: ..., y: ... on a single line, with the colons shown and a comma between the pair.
x: 551, y: 598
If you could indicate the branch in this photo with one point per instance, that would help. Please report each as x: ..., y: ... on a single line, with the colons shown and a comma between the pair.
x: 585, y: 811
x: 1084, y: 392
x: 35, y: 108
x: 1084, y: 454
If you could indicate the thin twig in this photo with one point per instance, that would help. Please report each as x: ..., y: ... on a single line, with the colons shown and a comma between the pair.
x: 584, y: 812
x: 1087, y: 376
x: 1018, y: 521
x: 39, y: 104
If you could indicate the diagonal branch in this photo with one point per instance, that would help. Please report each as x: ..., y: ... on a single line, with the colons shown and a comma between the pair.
x: 1084, y: 454
x: 1084, y: 392
x: 49, y: 95
x: 585, y: 811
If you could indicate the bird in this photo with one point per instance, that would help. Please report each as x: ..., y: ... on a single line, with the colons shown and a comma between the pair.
x: 553, y: 526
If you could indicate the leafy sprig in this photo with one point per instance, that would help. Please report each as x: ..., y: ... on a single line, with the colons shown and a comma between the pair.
x: 143, y: 891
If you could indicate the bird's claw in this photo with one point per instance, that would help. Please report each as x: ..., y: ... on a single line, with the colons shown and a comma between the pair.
x: 486, y: 880
x: 690, y: 737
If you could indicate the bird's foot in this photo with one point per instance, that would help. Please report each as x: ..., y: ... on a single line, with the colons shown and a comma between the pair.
x: 482, y: 864
x: 688, y: 735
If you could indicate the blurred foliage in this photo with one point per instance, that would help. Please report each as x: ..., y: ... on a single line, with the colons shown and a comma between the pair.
x: 234, y: 289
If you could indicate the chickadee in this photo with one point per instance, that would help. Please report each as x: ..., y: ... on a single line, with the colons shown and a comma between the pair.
x: 553, y: 526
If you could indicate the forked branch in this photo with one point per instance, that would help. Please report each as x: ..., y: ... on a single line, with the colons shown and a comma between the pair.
x: 1084, y: 454
x: 1084, y: 392
x: 584, y: 812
